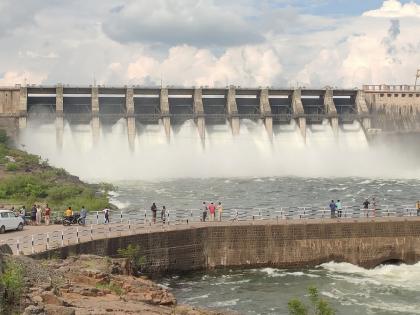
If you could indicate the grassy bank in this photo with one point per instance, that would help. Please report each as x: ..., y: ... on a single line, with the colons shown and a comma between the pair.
x: 26, y: 179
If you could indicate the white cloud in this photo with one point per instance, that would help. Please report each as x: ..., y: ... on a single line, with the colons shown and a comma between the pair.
x: 69, y: 42
x: 11, y: 78
x: 395, y: 9
x: 173, y: 22
x: 186, y: 65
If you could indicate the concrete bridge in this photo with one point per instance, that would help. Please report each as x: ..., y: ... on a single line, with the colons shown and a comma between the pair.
x: 99, y: 105
x: 184, y: 245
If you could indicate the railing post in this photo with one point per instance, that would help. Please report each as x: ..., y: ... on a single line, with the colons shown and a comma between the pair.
x: 18, y: 246
x: 62, y: 238
x: 32, y: 244
x: 77, y: 235
x: 48, y: 241
x: 121, y: 216
x: 129, y: 226
x: 109, y: 230
x: 97, y: 217
x: 91, y: 232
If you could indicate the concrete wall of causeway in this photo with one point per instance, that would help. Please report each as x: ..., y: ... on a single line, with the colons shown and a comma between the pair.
x: 293, y: 245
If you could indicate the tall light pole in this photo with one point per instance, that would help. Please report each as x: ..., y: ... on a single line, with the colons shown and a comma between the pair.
x: 417, y: 76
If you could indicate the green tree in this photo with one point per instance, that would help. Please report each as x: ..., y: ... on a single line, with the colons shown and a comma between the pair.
x: 318, y: 306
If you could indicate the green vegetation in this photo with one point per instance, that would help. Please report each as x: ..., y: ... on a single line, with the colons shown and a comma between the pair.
x: 27, y: 180
x: 135, y: 259
x: 318, y: 306
x: 112, y: 286
x: 12, y: 285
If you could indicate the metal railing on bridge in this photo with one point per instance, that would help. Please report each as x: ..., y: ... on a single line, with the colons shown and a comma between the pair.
x: 142, y: 221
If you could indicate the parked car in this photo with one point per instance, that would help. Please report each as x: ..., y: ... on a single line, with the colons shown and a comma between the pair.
x: 9, y: 221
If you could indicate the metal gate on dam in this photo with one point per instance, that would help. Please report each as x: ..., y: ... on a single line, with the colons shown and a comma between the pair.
x: 382, y: 107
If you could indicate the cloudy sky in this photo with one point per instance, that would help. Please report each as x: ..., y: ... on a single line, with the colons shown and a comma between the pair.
x: 210, y: 42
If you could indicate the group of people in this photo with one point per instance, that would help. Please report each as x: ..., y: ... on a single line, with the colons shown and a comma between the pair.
x: 154, y: 210
x: 337, y: 207
x: 212, y: 209
x: 37, y: 213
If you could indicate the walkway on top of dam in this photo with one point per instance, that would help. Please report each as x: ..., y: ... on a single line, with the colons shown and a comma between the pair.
x: 36, y: 239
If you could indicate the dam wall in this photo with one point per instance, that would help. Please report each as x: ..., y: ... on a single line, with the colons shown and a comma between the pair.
x: 292, y: 245
x: 394, y: 108
x: 98, y: 106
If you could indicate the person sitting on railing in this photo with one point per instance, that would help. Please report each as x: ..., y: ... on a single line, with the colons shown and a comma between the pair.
x: 68, y: 213
x: 418, y: 207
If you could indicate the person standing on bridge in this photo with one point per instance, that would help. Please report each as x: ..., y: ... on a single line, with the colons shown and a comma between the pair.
x: 204, y: 209
x: 212, y: 210
x: 418, y: 207
x: 83, y: 214
x: 333, y: 206
x: 339, y: 208
x: 33, y: 215
x: 163, y: 215
x: 38, y: 214
x: 153, y: 208
x: 47, y: 214
x: 106, y: 215
x: 219, y: 209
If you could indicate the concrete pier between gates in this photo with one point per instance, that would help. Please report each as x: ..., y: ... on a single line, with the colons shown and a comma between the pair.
x: 164, y: 109
x: 299, y: 113
x: 232, y: 110
x: 199, y: 113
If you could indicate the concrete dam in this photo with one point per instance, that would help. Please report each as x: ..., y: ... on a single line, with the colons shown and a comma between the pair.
x: 378, y: 108
x: 101, y: 106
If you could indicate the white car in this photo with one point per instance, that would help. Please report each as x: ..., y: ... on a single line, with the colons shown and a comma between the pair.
x: 9, y: 221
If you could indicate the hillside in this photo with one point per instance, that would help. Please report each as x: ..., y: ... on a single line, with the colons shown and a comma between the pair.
x: 26, y: 179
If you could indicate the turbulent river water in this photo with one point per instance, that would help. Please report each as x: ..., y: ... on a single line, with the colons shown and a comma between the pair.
x: 246, y: 172
x: 385, y: 290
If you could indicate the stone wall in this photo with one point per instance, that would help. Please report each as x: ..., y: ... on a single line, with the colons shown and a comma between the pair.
x: 294, y: 245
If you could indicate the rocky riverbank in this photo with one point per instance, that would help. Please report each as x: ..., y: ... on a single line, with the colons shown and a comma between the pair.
x: 93, y: 285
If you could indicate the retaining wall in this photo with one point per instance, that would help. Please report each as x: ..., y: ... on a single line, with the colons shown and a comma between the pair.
x: 299, y: 245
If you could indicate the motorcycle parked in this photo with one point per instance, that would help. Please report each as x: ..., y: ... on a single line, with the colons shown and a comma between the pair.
x: 75, y: 219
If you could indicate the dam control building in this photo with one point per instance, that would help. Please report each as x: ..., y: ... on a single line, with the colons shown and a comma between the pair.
x: 377, y: 107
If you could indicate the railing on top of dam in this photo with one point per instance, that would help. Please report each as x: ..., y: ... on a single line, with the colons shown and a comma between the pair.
x: 391, y: 88
x: 127, y: 223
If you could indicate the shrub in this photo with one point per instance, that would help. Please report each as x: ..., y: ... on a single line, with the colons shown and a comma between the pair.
x: 3, y: 136
x: 12, y: 283
x: 318, y: 306
x: 11, y: 167
x: 134, y: 257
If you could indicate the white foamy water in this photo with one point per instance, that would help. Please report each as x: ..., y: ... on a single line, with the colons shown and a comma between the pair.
x: 385, y: 290
x: 251, y: 153
x: 404, y: 276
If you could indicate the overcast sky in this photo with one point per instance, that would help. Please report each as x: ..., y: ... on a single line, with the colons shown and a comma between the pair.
x: 209, y: 42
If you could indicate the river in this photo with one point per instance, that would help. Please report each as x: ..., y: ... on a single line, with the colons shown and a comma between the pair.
x: 384, y: 290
